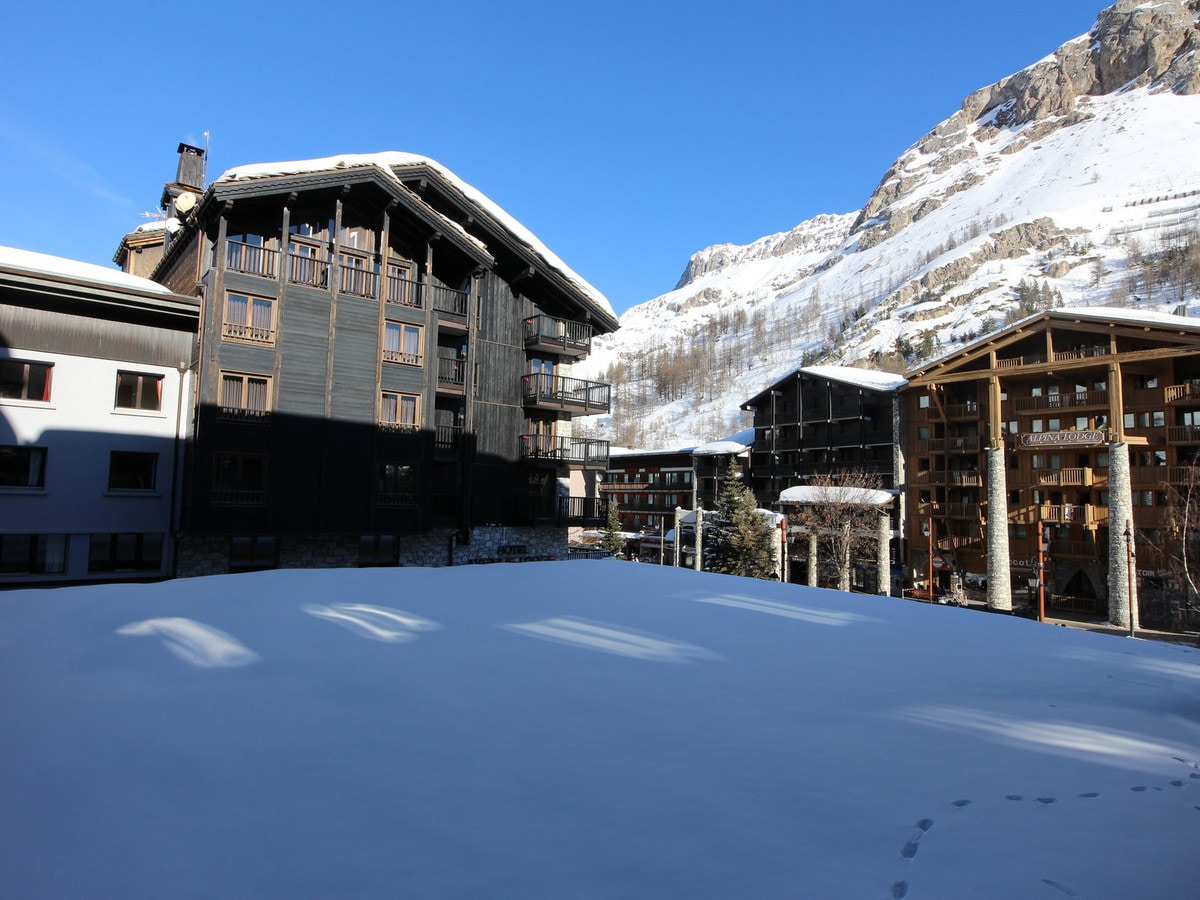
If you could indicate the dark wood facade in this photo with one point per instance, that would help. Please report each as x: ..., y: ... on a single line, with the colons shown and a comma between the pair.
x: 366, y: 355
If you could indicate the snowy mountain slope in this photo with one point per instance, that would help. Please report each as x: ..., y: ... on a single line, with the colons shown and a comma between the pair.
x: 1057, y: 175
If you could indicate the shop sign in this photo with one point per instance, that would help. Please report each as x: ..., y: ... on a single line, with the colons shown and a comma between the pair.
x: 1089, y: 438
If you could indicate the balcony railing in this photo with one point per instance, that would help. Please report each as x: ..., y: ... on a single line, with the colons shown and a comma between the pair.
x: 452, y: 373
x: 558, y: 336
x: 1183, y: 393
x: 1185, y: 475
x: 962, y: 444
x: 402, y: 291
x: 1014, y: 361
x: 448, y: 300
x: 1183, y: 434
x: 1079, y: 477
x: 241, y: 414
x: 1073, y: 549
x: 567, y: 510
x: 447, y: 437
x: 1068, y: 513
x: 578, y: 452
x: 1080, y: 353
x: 966, y: 479
x: 251, y: 259
x: 308, y: 270
x: 399, y: 427
x: 358, y: 282
x: 252, y: 333
x: 968, y: 410
x: 557, y: 392
x: 402, y: 356
x: 234, y: 497
x: 1077, y: 400
x: 962, y: 510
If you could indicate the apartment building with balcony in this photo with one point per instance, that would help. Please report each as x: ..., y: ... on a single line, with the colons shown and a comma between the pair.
x: 95, y: 394
x: 1078, y: 421
x: 384, y: 369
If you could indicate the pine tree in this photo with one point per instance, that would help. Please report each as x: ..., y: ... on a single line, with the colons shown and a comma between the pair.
x: 612, y: 540
x: 738, y: 540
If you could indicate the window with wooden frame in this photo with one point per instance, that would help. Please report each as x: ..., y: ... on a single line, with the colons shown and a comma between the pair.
x: 251, y: 254
x: 248, y: 318
x: 137, y: 390
x: 402, y: 343
x: 245, y: 396
x: 402, y: 288
x: 307, y: 233
x: 24, y: 380
x: 399, y: 412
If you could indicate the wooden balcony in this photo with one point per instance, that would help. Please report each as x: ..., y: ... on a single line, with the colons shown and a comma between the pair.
x: 447, y: 438
x: 968, y: 410
x: 1086, y: 514
x: 451, y: 375
x: 251, y: 259
x: 358, y: 282
x: 448, y: 301
x: 307, y: 270
x: 962, y: 444
x: 1077, y: 400
x: 547, y: 334
x: 1074, y: 477
x: 1184, y: 393
x: 1073, y: 549
x: 572, y: 453
x: 1183, y: 434
x: 963, y: 511
x: 566, y: 510
x: 554, y: 392
x: 1016, y: 361
x: 966, y: 479
x: 401, y: 291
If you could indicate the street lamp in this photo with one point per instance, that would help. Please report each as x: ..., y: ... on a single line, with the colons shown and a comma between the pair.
x: 1129, y: 573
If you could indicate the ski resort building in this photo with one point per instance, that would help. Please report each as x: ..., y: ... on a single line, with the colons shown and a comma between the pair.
x: 828, y: 421
x: 1081, y: 424
x: 384, y: 368
x: 95, y: 396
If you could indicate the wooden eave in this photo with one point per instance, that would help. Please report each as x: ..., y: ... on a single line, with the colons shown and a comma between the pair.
x: 435, y: 222
x: 422, y: 177
x: 179, y: 311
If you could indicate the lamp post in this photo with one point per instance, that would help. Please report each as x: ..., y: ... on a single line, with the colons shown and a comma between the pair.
x: 1129, y: 573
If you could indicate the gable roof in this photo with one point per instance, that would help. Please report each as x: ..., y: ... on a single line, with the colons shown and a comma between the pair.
x: 867, y: 379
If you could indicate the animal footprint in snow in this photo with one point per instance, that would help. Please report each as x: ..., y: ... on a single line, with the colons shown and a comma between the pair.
x: 899, y: 890
x: 378, y: 623
x: 961, y: 804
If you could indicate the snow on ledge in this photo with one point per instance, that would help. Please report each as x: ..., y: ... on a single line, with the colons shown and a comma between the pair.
x: 58, y: 266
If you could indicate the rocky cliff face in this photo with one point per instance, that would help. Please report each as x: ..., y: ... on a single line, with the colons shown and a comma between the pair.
x: 1133, y: 44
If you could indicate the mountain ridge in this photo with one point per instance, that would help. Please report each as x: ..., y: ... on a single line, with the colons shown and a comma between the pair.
x: 1064, y: 175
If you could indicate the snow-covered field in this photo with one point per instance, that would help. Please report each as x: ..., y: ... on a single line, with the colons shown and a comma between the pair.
x: 581, y: 729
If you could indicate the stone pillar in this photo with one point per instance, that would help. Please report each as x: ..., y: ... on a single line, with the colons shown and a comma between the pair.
x: 678, y: 536
x: 884, y: 556
x: 698, y: 562
x: 1122, y: 585
x: 812, y: 560
x: 999, y: 578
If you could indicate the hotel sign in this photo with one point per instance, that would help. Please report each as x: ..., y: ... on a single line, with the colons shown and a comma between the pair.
x: 1091, y: 438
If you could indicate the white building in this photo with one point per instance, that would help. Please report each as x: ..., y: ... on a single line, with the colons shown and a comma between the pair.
x: 95, y: 397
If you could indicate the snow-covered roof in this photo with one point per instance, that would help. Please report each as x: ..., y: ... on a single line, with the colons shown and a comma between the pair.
x: 865, y: 378
x: 73, y: 269
x: 392, y: 163
x: 821, y: 494
x: 737, y: 443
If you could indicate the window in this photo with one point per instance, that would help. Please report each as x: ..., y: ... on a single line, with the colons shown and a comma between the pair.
x: 125, y: 552
x: 245, y: 396
x: 131, y: 471
x: 1035, y: 425
x: 249, y: 319
x: 400, y: 286
x: 25, y: 380
x: 1158, y: 419
x: 239, y: 479
x: 378, y: 550
x: 252, y: 254
x: 402, y: 343
x: 396, y: 484
x: 33, y: 554
x: 399, y: 412
x: 253, y: 553
x: 357, y: 278
x: 1081, y: 423
x: 1054, y: 425
x: 923, y: 401
x: 138, y: 391
x: 22, y: 467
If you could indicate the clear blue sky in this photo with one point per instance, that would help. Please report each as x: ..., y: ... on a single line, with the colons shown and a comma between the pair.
x: 626, y: 135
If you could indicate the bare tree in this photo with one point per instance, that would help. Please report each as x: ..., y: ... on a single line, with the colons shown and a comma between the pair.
x: 842, y: 510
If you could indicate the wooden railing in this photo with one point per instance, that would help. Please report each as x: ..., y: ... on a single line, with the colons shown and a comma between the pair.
x: 1183, y: 434
x: 251, y: 333
x: 1015, y: 361
x: 307, y: 270
x: 1183, y: 392
x: 401, y: 356
x: 447, y: 437
x: 452, y: 372
x: 1076, y: 400
x: 563, y: 335
x: 567, y: 393
x: 358, y: 282
x: 448, y: 300
x: 250, y: 259
x: 584, y: 452
x: 1079, y: 477
x: 233, y: 497
x: 402, y: 291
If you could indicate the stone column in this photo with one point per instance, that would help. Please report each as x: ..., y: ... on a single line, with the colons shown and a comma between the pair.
x: 885, y: 555
x: 698, y: 562
x: 999, y: 579
x: 812, y: 560
x: 1122, y: 585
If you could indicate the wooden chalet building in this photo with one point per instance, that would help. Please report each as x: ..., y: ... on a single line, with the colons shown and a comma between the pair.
x: 647, y: 486
x: 95, y: 391
x: 1077, y: 419
x: 826, y: 420
x: 383, y: 373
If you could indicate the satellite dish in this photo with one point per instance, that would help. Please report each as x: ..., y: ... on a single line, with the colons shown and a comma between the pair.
x: 185, y: 201
x: 173, y: 225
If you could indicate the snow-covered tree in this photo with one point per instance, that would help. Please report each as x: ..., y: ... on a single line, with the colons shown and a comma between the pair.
x: 612, y: 541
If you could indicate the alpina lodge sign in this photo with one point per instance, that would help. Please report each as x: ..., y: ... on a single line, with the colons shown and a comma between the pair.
x: 1090, y: 438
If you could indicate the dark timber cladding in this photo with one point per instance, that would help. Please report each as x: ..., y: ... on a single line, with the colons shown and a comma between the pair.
x: 363, y: 350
